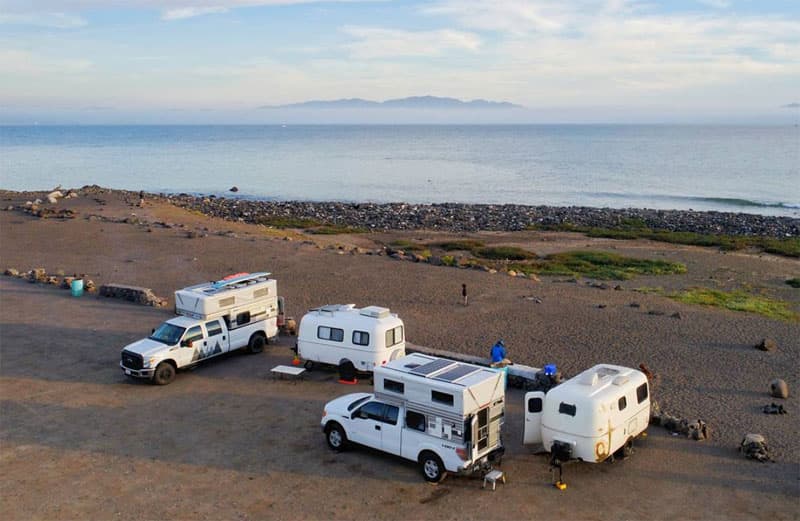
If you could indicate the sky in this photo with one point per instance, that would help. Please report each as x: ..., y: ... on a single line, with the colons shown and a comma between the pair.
x: 208, y: 61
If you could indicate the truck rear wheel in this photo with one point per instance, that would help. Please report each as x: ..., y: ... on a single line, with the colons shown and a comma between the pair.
x: 256, y: 344
x: 432, y: 467
x: 336, y: 437
x: 164, y: 374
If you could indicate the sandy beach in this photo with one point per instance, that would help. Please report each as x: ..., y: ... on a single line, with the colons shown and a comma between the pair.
x: 226, y: 440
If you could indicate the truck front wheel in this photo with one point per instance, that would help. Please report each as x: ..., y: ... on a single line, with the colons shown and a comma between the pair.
x: 256, y: 344
x: 432, y: 467
x: 336, y: 437
x: 164, y: 374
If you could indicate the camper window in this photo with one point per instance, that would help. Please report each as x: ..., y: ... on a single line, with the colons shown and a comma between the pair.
x: 567, y: 408
x: 415, y: 420
x: 213, y: 328
x: 330, y: 333
x: 361, y: 338
x: 243, y: 318
x: 439, y: 397
x: 393, y: 386
x: 641, y: 393
x: 394, y: 336
x: 622, y: 403
x: 535, y: 405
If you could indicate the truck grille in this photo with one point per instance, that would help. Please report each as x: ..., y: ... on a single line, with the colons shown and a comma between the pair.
x: 131, y: 360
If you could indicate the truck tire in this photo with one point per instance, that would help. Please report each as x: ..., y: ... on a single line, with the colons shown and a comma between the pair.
x: 336, y: 437
x: 347, y: 371
x: 309, y: 365
x: 256, y: 344
x: 432, y: 467
x: 164, y: 374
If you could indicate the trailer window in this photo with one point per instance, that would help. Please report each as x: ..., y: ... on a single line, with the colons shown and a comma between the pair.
x: 361, y: 338
x: 394, y: 336
x: 330, y: 333
x: 213, y: 328
x: 243, y: 318
x: 415, y: 420
x: 641, y: 392
x: 393, y: 386
x: 444, y: 398
x: 622, y: 403
x: 535, y: 405
x: 567, y: 408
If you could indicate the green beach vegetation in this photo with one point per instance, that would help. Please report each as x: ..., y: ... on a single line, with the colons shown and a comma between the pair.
x: 598, y: 265
x: 631, y: 229
x: 738, y: 301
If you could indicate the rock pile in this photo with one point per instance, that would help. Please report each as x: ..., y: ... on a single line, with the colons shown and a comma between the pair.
x: 697, y: 430
x: 457, y: 217
x: 754, y: 446
x: 40, y: 275
x: 134, y: 294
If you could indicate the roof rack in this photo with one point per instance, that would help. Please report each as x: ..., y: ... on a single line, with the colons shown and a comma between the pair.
x: 237, y: 281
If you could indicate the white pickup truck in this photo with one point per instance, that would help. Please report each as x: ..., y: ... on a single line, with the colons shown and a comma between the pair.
x: 240, y: 311
x: 444, y: 415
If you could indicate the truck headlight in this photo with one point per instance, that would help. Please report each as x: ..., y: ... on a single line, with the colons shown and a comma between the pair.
x: 149, y: 362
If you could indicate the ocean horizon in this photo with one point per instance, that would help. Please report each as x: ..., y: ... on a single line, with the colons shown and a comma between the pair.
x: 730, y: 168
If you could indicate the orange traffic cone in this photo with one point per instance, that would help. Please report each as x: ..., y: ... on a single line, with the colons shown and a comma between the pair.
x: 296, y: 360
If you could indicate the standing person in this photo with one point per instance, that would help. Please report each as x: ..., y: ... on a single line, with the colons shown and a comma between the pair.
x: 141, y: 198
x: 464, y: 293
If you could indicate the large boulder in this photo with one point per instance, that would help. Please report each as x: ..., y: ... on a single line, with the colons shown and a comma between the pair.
x: 767, y: 344
x: 778, y: 388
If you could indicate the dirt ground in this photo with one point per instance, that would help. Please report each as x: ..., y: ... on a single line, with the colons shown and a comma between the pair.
x: 227, y: 441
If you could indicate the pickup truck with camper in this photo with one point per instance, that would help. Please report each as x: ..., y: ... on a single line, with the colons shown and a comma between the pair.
x: 445, y: 415
x: 239, y: 311
x: 591, y: 417
x: 353, y: 339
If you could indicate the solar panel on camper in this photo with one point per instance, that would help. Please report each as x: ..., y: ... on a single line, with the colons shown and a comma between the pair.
x: 459, y: 371
x: 432, y: 367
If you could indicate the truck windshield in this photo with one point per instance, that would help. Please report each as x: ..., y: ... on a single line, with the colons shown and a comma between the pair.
x: 168, y: 333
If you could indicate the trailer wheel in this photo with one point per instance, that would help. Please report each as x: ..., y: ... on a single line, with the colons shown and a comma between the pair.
x: 164, y: 374
x: 256, y: 344
x: 309, y: 365
x: 347, y: 371
x: 336, y: 437
x: 627, y: 449
x: 432, y: 467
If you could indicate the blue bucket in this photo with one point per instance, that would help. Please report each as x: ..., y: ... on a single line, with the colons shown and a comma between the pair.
x: 76, y: 287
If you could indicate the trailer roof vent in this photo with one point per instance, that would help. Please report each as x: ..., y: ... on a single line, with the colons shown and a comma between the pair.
x: 375, y: 312
x: 590, y: 378
x: 620, y: 380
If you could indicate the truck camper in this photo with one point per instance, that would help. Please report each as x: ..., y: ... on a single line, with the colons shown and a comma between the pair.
x: 590, y: 417
x: 239, y: 311
x: 445, y: 415
x: 350, y: 338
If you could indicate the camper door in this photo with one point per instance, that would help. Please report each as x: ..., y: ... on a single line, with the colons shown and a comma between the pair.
x: 534, y: 405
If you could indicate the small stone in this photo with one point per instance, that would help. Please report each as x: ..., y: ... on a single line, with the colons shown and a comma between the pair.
x: 89, y: 285
x: 778, y: 389
x: 676, y: 315
x: 53, y: 280
x: 602, y: 306
x: 512, y: 273
x: 618, y: 288
x: 635, y: 305
x: 191, y: 234
x: 656, y: 312
x: 767, y: 344
x: 11, y: 272
x: 234, y: 189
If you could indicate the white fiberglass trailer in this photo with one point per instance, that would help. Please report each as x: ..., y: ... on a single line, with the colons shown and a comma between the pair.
x: 591, y: 416
x: 343, y: 335
x: 445, y: 415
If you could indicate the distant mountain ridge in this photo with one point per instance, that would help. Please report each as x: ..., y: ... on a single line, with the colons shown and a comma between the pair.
x: 412, y: 102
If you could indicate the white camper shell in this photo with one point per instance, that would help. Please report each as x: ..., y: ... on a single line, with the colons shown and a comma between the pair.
x: 342, y: 334
x: 443, y: 414
x: 591, y: 416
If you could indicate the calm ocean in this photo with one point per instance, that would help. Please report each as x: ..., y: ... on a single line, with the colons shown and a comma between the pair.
x: 725, y: 168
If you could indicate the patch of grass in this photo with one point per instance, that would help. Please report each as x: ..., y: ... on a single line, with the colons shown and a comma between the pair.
x: 631, y: 229
x: 738, y: 301
x: 402, y: 244
x: 288, y: 222
x: 466, y: 244
x: 449, y: 260
x: 503, y: 253
x: 795, y: 282
x: 335, y: 229
x: 604, y: 265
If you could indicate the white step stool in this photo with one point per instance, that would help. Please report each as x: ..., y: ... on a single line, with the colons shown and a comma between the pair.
x: 493, y: 477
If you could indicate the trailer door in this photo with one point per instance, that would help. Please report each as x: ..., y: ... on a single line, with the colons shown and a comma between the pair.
x: 534, y: 405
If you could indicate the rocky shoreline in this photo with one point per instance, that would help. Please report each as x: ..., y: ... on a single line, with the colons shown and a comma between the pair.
x: 455, y: 217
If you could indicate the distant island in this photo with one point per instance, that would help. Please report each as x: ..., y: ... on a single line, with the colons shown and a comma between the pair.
x: 412, y: 102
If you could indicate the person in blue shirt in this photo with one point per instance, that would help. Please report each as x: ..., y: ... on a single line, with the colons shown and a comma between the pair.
x: 499, y: 354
